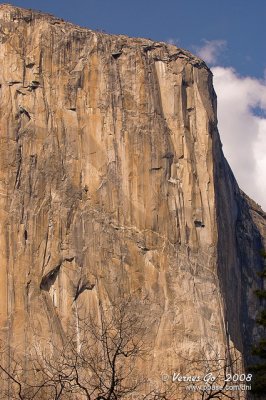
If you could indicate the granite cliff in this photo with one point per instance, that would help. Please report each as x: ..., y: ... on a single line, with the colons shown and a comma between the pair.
x: 113, y: 182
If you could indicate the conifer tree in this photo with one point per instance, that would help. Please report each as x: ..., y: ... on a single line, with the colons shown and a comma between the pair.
x: 259, y: 369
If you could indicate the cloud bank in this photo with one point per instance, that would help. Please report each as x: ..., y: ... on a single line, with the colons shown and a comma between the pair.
x: 242, y: 126
x: 174, y: 41
x: 211, y: 50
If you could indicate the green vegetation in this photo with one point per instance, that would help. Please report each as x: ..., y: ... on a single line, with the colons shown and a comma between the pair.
x: 259, y: 369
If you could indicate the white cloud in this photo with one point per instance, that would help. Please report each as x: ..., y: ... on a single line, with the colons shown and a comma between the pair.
x: 242, y: 130
x: 173, y: 41
x: 211, y: 50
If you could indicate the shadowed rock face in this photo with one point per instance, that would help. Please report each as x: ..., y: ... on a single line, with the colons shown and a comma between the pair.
x: 113, y: 181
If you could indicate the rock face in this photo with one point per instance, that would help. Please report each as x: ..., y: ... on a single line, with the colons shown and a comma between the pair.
x: 113, y: 181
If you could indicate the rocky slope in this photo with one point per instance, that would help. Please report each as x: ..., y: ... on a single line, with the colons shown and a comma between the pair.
x: 113, y: 181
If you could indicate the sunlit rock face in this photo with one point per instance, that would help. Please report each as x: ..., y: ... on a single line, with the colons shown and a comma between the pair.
x: 113, y: 182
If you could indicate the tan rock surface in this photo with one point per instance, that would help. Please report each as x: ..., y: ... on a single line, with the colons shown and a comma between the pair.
x: 112, y: 178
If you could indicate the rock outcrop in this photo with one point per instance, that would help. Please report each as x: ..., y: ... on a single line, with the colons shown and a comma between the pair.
x: 113, y: 182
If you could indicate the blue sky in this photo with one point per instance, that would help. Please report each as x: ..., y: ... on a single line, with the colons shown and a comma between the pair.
x: 228, y: 34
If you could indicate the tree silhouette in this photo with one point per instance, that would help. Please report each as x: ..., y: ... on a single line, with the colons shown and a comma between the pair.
x: 259, y: 350
x: 98, y: 363
x: 103, y: 360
